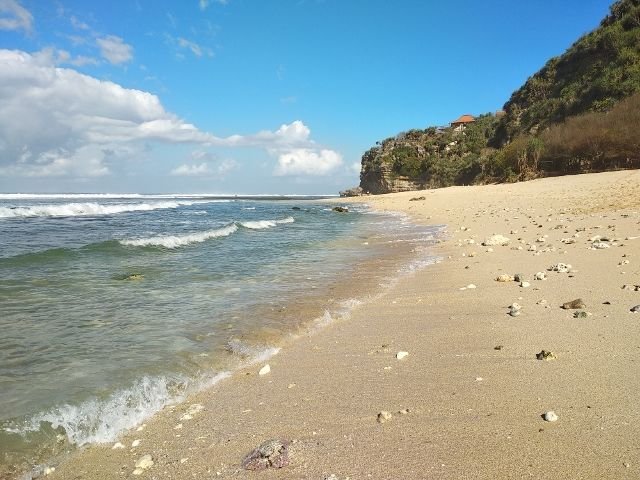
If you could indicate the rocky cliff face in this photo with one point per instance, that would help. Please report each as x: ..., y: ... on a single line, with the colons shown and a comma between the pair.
x: 383, y: 180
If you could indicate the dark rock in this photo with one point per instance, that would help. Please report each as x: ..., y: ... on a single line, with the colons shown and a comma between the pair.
x: 574, y: 304
x: 417, y: 199
x: 545, y: 355
x: 635, y: 309
x: 498, y: 347
x: 580, y: 314
x: 270, y: 454
x: 295, y: 208
x: 518, y: 277
x: 340, y: 209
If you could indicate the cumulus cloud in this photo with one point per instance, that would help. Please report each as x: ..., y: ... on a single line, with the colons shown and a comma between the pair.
x: 114, y: 49
x: 205, y: 169
x: 14, y: 16
x: 305, y: 161
x: 57, y: 121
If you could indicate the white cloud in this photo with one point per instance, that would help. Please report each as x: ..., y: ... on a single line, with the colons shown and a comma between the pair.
x: 80, y: 25
x: 304, y: 161
x: 196, y: 49
x: 115, y: 50
x: 356, y: 167
x: 57, y: 121
x: 191, y: 170
x: 14, y: 16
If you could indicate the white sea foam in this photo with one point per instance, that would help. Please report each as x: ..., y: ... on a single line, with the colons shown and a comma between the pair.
x: 260, y: 224
x: 175, y: 241
x: 86, y: 209
x: 102, y: 421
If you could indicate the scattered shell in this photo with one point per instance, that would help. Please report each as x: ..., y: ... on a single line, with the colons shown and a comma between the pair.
x: 401, y: 355
x: 504, y: 278
x: 525, y: 284
x: 384, y: 416
x: 581, y: 314
x: 540, y: 276
x: 272, y: 453
x: 135, y: 443
x: 496, y: 240
x: 532, y: 248
x: 145, y: 462
x: 514, y: 309
x: 560, y: 268
x: 545, y: 355
x: 404, y: 411
x: 264, y: 370
x: 633, y: 288
x: 550, y: 416
x: 117, y: 446
x: 49, y: 470
x: 471, y: 286
x: 599, y: 245
x: 574, y: 304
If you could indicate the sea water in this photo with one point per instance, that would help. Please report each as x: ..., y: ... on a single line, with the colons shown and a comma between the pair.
x: 114, y: 306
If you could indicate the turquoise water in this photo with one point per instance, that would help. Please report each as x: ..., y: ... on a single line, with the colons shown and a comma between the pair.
x: 113, y: 307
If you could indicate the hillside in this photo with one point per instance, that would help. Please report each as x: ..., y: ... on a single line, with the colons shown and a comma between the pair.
x: 578, y: 113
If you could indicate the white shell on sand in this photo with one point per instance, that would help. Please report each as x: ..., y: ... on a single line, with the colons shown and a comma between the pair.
x: 145, y: 462
x: 514, y: 309
x: 135, y: 443
x: 560, y: 268
x: 264, y: 370
x: 401, y: 355
x: 496, y: 240
x: 49, y: 470
x: 525, y: 284
x: 540, y: 276
x: 117, y: 446
x: 550, y: 416
x: 384, y: 416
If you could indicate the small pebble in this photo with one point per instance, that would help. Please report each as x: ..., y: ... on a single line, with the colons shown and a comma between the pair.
x: 574, y: 304
x: 401, y: 355
x: 135, y: 443
x: 264, y: 370
x: 550, y: 416
x: 384, y: 416
x: 117, y: 446
x: 525, y: 284
x: 635, y: 309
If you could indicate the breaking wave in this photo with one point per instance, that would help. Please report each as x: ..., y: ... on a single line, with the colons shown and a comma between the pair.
x: 86, y: 209
x: 261, y: 224
x: 175, y: 241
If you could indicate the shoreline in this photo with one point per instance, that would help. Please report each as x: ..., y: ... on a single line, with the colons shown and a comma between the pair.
x: 473, y: 410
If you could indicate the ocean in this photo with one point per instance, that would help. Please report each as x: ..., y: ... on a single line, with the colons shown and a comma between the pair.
x: 115, y: 306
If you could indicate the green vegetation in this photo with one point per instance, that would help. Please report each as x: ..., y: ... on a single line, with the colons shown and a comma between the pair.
x: 579, y: 113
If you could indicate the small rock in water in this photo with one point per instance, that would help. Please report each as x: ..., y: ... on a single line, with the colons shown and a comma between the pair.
x: 133, y: 276
x: 635, y: 309
x: 384, y: 416
x: 550, y: 416
x: 270, y: 454
x: 496, y: 240
x: 341, y: 209
x: 264, y: 370
x: 574, y: 304
x: 545, y: 355
x: 401, y: 355
x: 504, y: 278
x: 514, y: 309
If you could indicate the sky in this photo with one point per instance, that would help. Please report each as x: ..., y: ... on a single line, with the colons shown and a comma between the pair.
x: 250, y: 96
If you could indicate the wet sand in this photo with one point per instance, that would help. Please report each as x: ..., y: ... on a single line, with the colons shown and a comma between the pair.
x: 467, y: 401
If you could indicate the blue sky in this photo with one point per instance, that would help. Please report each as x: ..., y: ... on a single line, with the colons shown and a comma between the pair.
x: 250, y: 96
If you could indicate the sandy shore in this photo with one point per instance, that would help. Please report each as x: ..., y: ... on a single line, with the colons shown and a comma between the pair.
x: 468, y: 400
